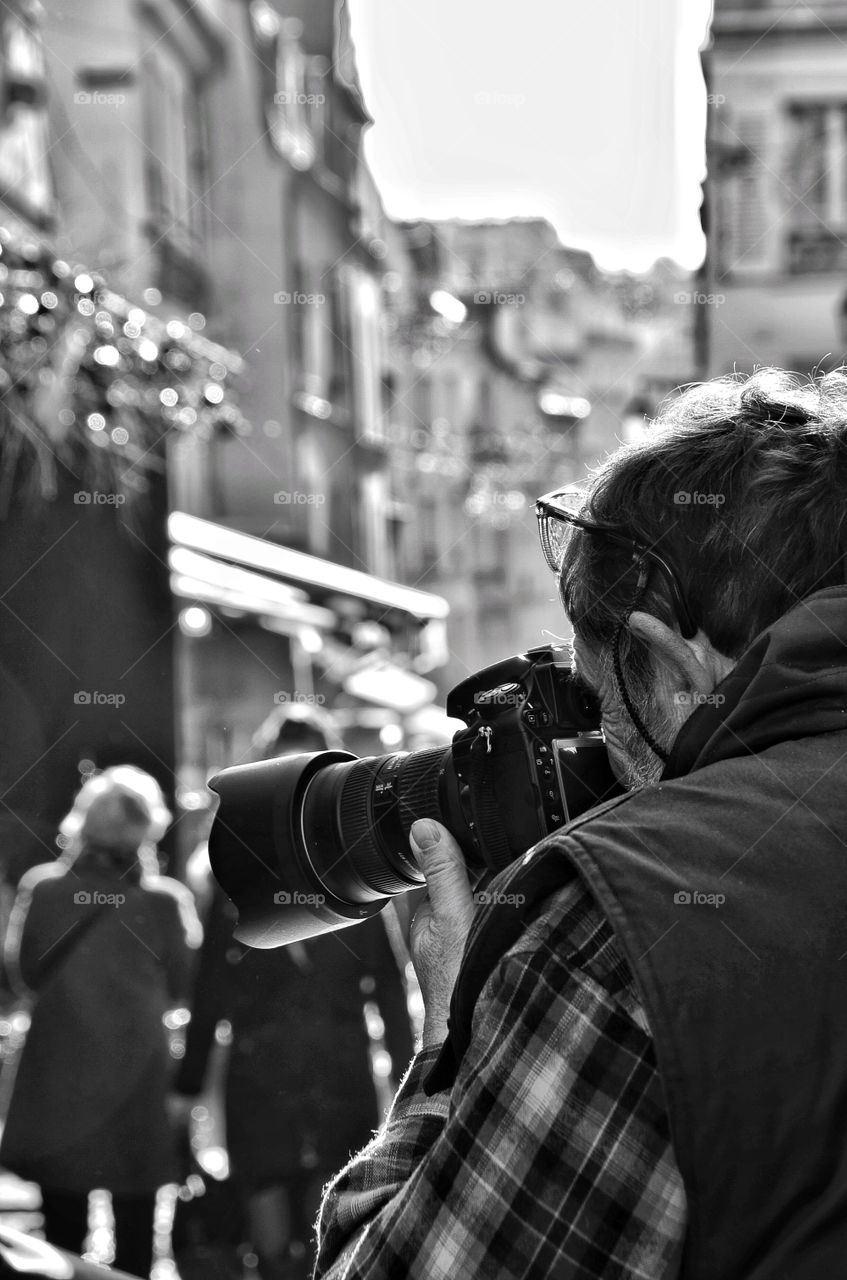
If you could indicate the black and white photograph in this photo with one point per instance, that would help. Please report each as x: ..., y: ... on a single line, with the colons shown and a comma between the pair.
x: 423, y: 639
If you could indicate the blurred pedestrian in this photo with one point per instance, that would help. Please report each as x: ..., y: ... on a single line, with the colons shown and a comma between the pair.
x: 300, y: 1092
x: 102, y: 940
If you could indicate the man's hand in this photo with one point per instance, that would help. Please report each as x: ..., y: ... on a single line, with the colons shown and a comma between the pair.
x: 441, y: 924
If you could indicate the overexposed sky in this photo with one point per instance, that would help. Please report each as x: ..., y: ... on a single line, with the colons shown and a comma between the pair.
x: 588, y: 112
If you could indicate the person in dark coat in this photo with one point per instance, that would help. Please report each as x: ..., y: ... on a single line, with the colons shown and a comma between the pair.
x: 300, y: 1094
x: 103, y: 941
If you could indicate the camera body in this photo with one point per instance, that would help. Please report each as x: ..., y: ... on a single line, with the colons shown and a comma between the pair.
x: 309, y: 843
x: 532, y: 757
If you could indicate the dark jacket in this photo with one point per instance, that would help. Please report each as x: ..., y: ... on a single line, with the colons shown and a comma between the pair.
x: 727, y: 886
x: 88, y: 1106
x: 299, y: 1090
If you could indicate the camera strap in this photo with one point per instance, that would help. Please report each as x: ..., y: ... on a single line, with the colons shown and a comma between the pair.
x: 490, y: 831
x: 496, y: 927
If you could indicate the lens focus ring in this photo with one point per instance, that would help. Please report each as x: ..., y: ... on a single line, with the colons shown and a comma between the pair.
x: 418, y: 785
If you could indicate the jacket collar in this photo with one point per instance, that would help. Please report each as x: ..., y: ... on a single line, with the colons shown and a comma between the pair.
x: 790, y: 683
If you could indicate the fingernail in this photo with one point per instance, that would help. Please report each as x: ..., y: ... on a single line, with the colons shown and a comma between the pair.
x: 425, y: 833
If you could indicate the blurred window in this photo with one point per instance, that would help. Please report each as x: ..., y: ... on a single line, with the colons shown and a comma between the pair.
x: 744, y: 195
x: 173, y: 145
x: 373, y: 523
x: 816, y: 174
x: 338, y: 327
x: 317, y: 113
x: 399, y: 517
x: 293, y: 104
x: 363, y: 295
x: 310, y: 320
x: 24, y: 143
x: 343, y: 521
x: 427, y: 523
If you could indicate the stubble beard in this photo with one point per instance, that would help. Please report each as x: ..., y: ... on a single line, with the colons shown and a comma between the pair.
x: 643, y: 768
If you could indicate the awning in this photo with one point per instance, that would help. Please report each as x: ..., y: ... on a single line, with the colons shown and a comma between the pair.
x: 199, y: 577
x: 221, y: 544
x: 387, y: 685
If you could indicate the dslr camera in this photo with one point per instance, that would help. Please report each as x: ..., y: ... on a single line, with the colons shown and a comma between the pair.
x: 309, y: 843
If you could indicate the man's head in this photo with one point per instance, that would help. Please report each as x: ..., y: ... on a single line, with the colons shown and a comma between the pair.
x: 742, y: 486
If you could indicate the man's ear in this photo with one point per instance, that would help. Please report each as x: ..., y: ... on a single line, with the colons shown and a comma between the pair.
x: 692, y: 666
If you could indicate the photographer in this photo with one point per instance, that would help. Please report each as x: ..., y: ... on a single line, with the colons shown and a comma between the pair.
x: 645, y: 1065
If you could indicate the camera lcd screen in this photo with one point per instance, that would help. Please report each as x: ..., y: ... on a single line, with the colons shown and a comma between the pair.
x: 584, y: 774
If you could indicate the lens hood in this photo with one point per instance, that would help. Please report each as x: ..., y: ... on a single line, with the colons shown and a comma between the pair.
x: 259, y: 856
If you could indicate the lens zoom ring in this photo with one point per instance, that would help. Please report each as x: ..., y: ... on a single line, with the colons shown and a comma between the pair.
x: 418, y: 786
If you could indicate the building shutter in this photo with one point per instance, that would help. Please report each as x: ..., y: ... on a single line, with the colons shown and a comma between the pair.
x: 749, y: 225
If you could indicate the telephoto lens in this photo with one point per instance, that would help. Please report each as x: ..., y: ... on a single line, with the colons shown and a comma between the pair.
x: 305, y: 844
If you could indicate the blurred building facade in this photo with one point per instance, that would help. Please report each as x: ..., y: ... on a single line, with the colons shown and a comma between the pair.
x: 774, y: 287
x: 85, y: 678
x: 529, y: 365
x: 208, y: 161
x: 296, y: 288
x: 404, y: 392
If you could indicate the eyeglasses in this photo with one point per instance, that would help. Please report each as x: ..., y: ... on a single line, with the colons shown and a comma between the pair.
x: 559, y: 512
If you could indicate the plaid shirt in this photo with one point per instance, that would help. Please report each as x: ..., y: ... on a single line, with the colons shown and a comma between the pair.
x: 551, y: 1155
